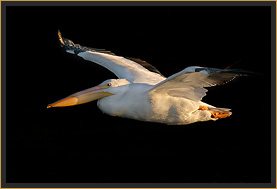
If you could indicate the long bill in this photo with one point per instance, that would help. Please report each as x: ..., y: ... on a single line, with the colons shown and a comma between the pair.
x: 82, y: 97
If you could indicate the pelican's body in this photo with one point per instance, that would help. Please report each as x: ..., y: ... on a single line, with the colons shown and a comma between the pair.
x: 134, y: 102
x: 146, y: 95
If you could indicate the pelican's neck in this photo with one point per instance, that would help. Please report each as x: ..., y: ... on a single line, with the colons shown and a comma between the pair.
x: 129, y: 97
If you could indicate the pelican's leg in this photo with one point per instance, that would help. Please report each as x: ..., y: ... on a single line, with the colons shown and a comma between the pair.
x: 216, y: 114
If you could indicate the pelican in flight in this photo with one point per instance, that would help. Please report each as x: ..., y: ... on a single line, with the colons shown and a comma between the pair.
x: 142, y: 93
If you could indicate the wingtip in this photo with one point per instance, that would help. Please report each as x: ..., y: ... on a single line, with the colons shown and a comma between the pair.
x: 241, y: 72
x: 61, y: 38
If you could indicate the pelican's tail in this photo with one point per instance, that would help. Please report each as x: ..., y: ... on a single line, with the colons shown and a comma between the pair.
x: 217, y: 112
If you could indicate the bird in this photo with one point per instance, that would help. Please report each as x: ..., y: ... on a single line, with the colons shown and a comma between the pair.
x: 142, y: 93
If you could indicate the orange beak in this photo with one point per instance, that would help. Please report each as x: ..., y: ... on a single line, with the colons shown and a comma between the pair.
x: 82, y: 97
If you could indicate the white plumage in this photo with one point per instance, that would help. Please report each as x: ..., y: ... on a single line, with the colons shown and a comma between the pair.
x: 144, y: 94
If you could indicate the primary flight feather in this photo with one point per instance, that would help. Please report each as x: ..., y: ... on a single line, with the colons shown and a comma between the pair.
x: 141, y: 92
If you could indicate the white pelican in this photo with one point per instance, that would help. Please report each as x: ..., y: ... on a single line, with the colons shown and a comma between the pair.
x: 142, y: 93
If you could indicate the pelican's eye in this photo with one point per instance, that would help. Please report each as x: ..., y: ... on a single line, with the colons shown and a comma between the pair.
x: 108, y: 84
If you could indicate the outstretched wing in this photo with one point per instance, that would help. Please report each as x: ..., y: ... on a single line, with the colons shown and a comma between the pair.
x: 190, y: 82
x: 132, y: 69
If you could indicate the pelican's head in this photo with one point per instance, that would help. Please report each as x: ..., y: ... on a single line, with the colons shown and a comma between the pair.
x: 105, y: 89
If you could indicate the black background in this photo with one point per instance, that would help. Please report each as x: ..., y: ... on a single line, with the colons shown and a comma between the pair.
x: 81, y: 144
